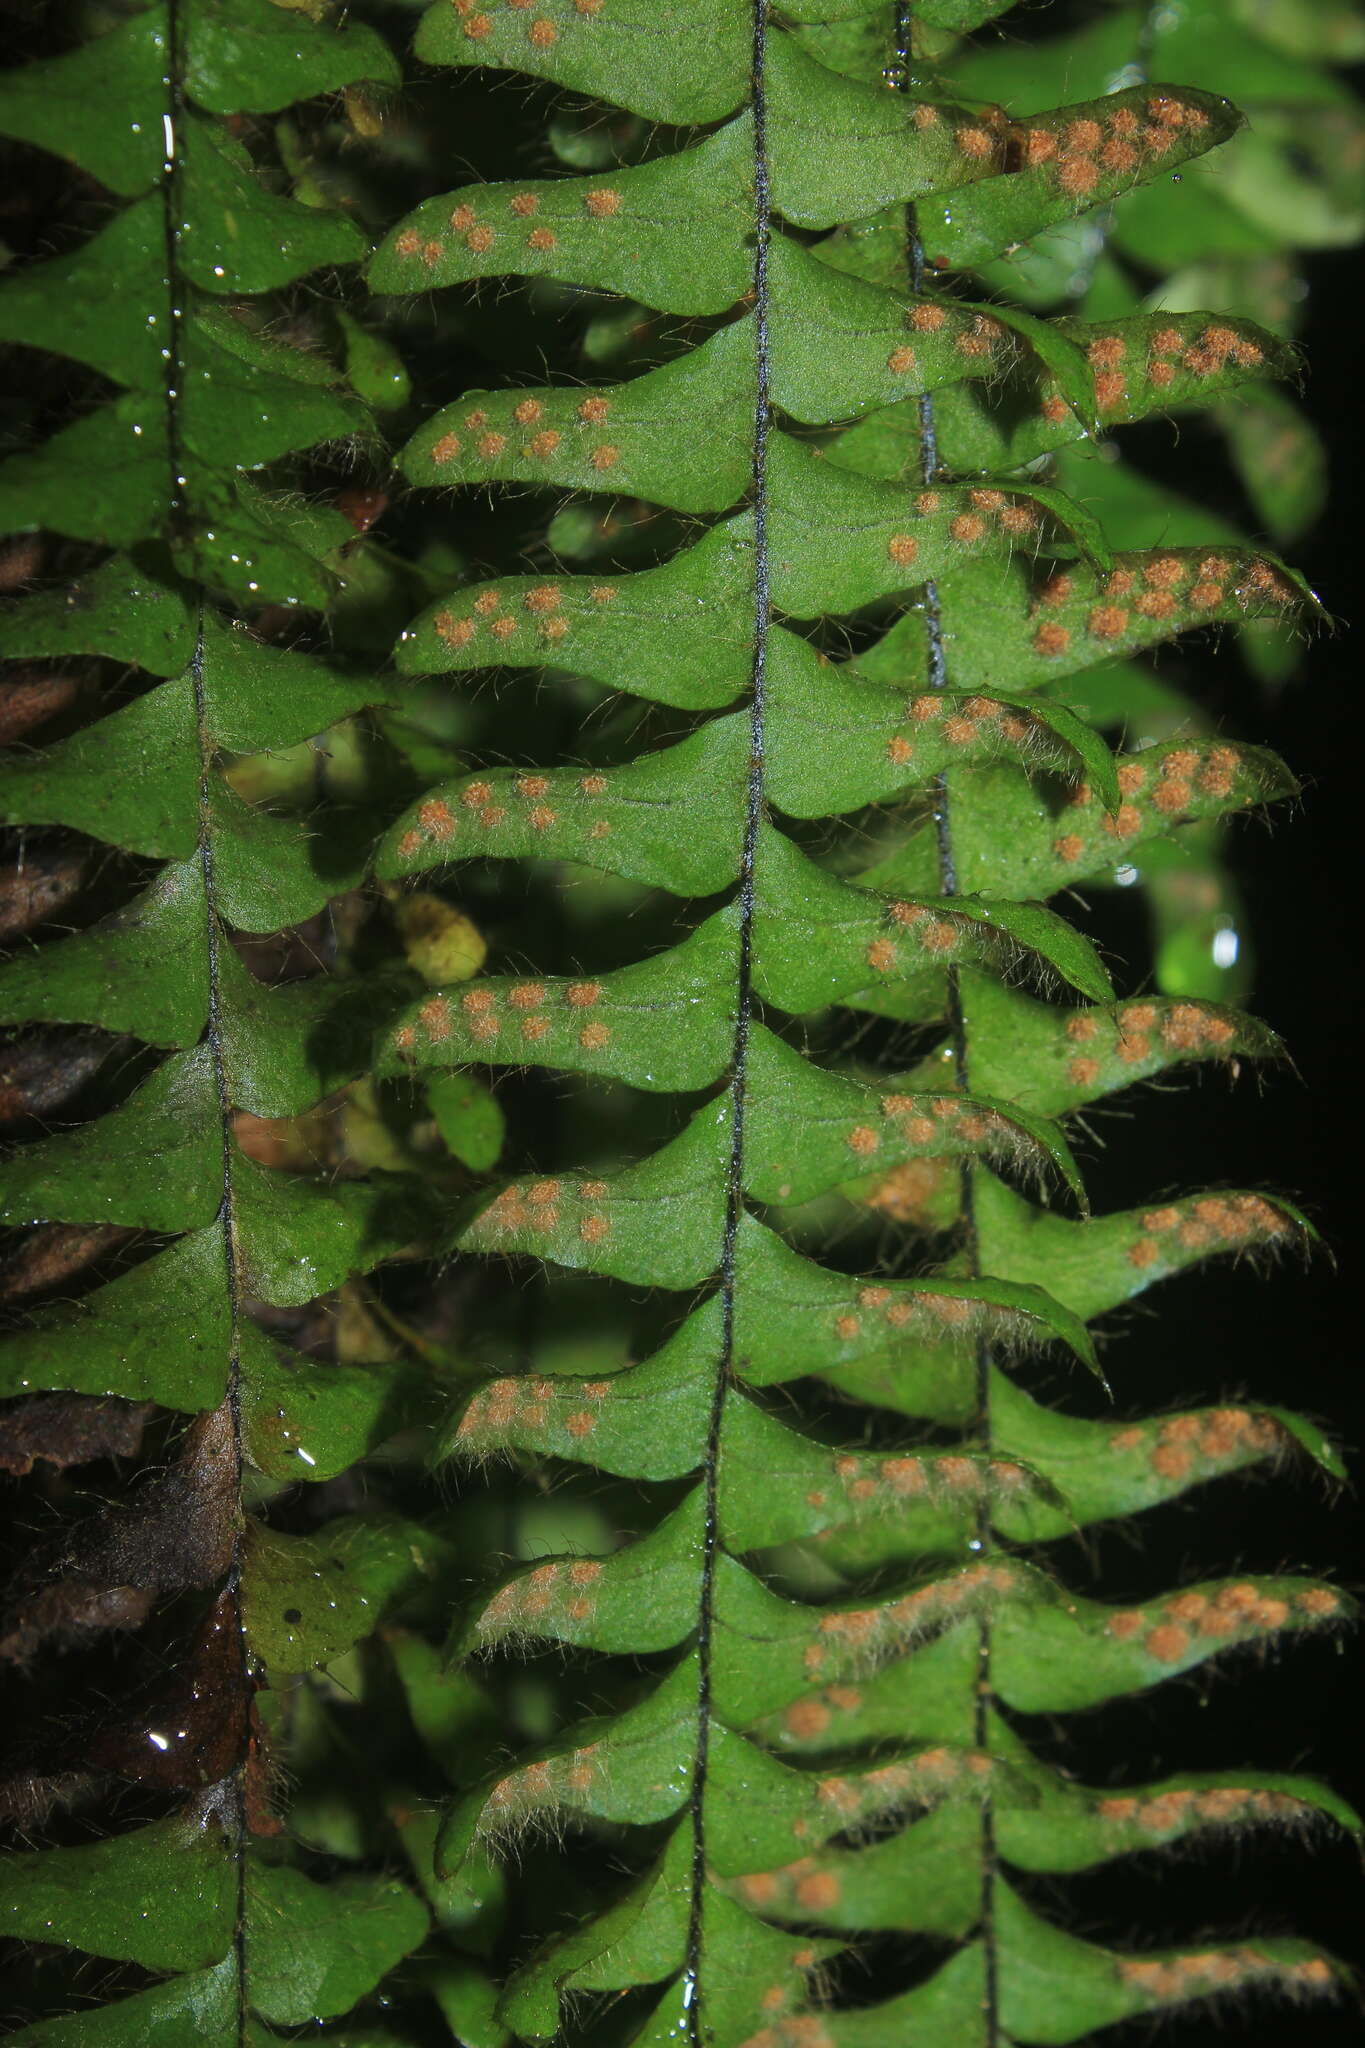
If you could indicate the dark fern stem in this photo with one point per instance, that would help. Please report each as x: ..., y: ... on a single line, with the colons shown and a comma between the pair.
x: 754, y: 810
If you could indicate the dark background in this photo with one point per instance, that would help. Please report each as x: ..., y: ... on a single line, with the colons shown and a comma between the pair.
x: 1304, y: 885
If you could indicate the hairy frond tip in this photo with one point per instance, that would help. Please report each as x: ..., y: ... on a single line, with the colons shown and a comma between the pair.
x: 854, y: 1641
x: 1201, y: 1443
x: 1177, y: 1978
x: 1241, y: 1224
x: 929, y: 1313
x: 1174, y: 1631
x: 527, y: 1606
x: 1167, y: 1814
x: 499, y: 1417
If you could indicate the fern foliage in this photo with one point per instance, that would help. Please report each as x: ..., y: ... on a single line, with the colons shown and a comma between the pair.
x: 794, y: 649
x: 178, y: 476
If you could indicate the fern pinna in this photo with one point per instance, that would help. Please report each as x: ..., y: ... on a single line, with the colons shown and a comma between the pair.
x: 815, y: 726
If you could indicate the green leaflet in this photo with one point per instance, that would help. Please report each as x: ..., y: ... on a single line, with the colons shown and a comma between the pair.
x: 616, y: 438
x: 353, y: 1933
x: 649, y: 1423
x: 305, y: 1422
x: 653, y: 1221
x: 621, y: 1048
x: 882, y: 745
x: 1142, y: 132
x: 606, y: 820
x: 668, y: 65
x: 1048, y: 168
x: 248, y: 58
x: 50, y: 104
x: 307, y: 1599
x: 169, y: 1126
x: 126, y: 784
x: 199, y: 2007
x: 1053, y: 1060
x: 111, y: 1898
x: 1125, y: 1252
x: 695, y: 601
x: 657, y: 232
x: 662, y: 1024
x: 809, y: 1127
x: 1054, y: 626
x: 137, y: 971
x: 114, y: 610
x: 1084, y: 1827
x: 1059, y: 1988
x: 112, y: 1342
